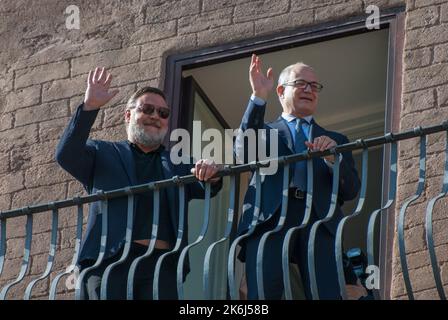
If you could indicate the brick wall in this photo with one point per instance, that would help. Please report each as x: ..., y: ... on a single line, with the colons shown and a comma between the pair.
x: 43, y: 76
x: 425, y: 89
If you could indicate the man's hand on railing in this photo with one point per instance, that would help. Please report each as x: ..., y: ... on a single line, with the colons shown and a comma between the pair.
x: 322, y: 143
x: 205, y: 169
x: 97, y: 93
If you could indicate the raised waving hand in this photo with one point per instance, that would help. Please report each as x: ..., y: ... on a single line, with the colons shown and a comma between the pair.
x: 98, y: 91
x: 261, y: 84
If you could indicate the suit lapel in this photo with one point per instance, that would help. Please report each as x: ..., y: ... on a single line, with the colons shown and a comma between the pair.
x: 127, y: 160
x: 317, y: 130
x: 283, y: 132
x: 318, y: 163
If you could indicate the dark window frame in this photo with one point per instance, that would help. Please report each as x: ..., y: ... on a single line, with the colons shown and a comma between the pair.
x: 392, y: 18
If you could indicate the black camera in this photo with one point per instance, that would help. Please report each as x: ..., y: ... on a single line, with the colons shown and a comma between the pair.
x: 355, y: 265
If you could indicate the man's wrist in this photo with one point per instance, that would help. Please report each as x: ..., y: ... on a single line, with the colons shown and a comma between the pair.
x: 257, y: 100
x: 261, y: 95
x: 87, y: 107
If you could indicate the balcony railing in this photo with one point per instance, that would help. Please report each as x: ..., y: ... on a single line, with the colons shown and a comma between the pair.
x: 229, y: 237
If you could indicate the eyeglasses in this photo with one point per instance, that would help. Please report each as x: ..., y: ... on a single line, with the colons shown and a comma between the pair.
x: 302, y: 84
x: 148, y: 109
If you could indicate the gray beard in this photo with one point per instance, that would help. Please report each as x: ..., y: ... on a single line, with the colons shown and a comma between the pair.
x: 137, y: 134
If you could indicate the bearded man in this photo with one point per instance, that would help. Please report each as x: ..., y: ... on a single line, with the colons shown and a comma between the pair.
x: 105, y: 165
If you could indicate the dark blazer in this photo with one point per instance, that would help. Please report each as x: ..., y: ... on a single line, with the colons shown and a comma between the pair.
x: 104, y: 165
x: 272, y: 185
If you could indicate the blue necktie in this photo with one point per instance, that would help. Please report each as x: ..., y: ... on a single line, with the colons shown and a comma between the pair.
x: 300, y: 176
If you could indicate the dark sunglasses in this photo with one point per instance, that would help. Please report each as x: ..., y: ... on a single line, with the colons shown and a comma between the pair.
x: 148, y: 109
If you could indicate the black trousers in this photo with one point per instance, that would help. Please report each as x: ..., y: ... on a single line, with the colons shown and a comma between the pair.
x: 272, y: 264
x: 143, y: 280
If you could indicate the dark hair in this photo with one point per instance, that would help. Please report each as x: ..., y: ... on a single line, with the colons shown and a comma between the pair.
x: 142, y: 91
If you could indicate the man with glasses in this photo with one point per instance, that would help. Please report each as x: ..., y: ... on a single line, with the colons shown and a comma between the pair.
x: 298, y: 91
x: 103, y: 165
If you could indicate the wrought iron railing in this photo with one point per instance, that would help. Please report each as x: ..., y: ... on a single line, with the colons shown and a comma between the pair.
x: 233, y: 172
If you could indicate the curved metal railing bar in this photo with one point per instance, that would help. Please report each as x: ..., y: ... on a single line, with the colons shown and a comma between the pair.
x: 292, y: 231
x: 402, y: 216
x: 391, y: 198
x: 126, y: 249
x: 233, y: 170
x: 183, y: 253
x: 2, y: 244
x: 429, y: 230
x: 51, y: 253
x: 278, y: 228
x: 79, y: 285
x: 315, y: 226
x: 151, y: 246
x: 340, y: 229
x: 208, y: 254
x: 177, y: 245
x: 26, y: 256
x: 233, y: 289
x: 72, y: 266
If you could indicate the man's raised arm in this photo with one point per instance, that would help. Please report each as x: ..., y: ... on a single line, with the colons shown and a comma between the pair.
x: 74, y: 152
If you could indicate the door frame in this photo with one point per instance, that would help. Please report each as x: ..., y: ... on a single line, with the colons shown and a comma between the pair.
x: 393, y: 19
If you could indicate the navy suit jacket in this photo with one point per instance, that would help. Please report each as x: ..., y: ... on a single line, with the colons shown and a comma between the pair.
x: 104, y: 165
x: 272, y: 185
